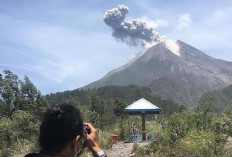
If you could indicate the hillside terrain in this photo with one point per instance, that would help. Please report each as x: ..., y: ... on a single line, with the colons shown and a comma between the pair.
x: 221, y: 99
x: 174, y: 71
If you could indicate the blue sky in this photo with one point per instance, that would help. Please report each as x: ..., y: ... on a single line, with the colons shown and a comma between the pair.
x: 64, y: 44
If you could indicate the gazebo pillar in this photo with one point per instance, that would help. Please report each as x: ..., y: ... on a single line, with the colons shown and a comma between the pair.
x: 143, y: 126
x: 142, y: 107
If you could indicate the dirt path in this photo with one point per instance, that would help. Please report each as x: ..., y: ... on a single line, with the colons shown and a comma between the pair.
x: 120, y: 150
x: 123, y: 149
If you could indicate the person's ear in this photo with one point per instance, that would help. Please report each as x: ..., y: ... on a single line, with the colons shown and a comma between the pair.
x: 76, y: 143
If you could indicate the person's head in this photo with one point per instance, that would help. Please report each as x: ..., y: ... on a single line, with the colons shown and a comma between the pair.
x: 61, y: 130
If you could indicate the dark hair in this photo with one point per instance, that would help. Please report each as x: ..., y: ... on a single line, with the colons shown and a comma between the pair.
x: 61, y: 124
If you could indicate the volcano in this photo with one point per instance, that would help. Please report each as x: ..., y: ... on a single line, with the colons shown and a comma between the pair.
x: 173, y: 70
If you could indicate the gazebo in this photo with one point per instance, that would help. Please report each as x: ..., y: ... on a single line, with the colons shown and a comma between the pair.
x: 142, y: 107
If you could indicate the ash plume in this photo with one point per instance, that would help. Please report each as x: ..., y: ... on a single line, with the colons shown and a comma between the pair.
x: 134, y: 32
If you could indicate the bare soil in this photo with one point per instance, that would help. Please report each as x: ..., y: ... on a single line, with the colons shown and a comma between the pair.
x: 120, y: 150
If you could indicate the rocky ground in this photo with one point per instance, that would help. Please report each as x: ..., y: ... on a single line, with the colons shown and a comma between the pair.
x: 123, y: 149
x: 120, y: 150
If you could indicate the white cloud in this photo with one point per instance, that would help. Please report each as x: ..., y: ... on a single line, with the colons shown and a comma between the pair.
x: 184, y: 21
x: 155, y: 23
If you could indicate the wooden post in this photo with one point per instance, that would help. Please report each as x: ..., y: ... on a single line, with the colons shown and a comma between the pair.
x: 143, y: 127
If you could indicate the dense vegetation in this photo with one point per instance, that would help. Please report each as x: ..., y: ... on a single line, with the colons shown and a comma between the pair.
x: 195, y: 133
x: 21, y: 107
x: 107, y: 95
x: 178, y: 131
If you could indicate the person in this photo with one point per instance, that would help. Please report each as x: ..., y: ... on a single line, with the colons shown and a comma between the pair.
x: 62, y: 134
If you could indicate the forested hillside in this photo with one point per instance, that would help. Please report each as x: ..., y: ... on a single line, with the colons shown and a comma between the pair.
x: 108, y: 95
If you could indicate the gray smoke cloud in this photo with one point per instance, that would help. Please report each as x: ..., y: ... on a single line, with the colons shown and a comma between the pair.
x: 134, y: 32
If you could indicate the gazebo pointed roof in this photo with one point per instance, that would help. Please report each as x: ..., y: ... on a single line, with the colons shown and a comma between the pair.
x: 142, y: 106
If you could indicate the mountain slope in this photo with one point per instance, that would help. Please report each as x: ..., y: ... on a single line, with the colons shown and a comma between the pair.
x: 221, y: 99
x: 182, y: 76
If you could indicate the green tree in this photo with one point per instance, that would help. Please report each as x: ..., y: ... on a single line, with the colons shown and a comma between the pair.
x: 122, y: 131
x: 98, y: 107
x: 18, y: 94
x: 203, y: 109
x: 9, y: 91
x: 181, y: 109
x: 119, y: 106
x: 17, y: 129
x: 21, y: 106
x: 31, y: 98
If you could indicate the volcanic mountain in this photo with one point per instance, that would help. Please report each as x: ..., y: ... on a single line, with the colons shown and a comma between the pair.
x: 173, y: 70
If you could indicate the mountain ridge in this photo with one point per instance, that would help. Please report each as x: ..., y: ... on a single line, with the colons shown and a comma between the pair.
x: 182, y: 76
